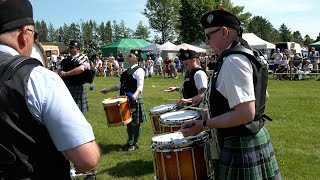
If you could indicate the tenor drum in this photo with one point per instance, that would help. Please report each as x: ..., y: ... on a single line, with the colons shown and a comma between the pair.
x: 171, y: 121
x: 39, y: 53
x: 177, y: 157
x: 117, y: 111
x: 155, y: 113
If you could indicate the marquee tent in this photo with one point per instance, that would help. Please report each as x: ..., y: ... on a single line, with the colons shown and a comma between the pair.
x: 125, y: 45
x: 187, y: 46
x: 315, y: 45
x: 152, y: 47
x: 256, y: 42
x: 168, y: 46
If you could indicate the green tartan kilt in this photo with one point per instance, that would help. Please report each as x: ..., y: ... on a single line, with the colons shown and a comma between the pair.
x: 138, y: 112
x: 248, y: 157
x: 79, y: 94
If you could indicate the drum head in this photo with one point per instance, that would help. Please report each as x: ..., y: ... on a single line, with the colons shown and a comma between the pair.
x: 115, y: 100
x: 176, y: 140
x: 178, y: 117
x: 163, y: 108
x: 39, y: 54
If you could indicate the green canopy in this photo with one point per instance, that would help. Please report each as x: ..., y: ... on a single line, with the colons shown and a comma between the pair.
x: 125, y: 45
x: 315, y: 45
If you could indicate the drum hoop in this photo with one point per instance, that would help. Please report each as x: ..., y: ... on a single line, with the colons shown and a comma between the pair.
x: 182, y: 147
x: 176, y: 123
x: 125, y: 99
x: 200, y: 138
x: 44, y: 55
x: 169, y: 108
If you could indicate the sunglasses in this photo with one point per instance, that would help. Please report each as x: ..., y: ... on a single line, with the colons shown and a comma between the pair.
x: 35, y: 34
x: 212, y: 32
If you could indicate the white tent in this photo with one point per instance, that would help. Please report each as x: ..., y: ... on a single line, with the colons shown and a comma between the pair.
x: 256, y: 42
x: 168, y: 46
x: 152, y: 47
x: 188, y: 46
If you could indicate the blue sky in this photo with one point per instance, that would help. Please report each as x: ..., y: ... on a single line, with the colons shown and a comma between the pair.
x: 301, y: 15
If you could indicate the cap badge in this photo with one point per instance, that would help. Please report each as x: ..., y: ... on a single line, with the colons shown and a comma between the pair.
x: 210, y: 18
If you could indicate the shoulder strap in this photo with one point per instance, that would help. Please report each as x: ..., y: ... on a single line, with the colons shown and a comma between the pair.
x: 12, y: 64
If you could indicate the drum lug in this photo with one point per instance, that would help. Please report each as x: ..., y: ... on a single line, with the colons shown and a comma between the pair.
x: 167, y: 155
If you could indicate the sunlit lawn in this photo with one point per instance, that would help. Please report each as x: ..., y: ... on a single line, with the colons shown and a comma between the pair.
x: 295, y: 132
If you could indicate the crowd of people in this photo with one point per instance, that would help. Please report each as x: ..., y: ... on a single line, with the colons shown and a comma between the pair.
x: 299, y: 66
x: 44, y: 110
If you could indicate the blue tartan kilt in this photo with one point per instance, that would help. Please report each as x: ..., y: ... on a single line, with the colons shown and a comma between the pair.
x: 79, y: 94
x: 138, y: 112
x: 248, y: 157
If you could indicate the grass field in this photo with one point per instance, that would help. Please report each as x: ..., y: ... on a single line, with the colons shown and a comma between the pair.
x: 293, y: 106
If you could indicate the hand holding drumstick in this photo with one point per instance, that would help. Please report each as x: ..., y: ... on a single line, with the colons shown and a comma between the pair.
x: 191, y: 128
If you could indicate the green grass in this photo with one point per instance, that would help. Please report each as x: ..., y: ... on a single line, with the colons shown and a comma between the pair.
x: 294, y: 131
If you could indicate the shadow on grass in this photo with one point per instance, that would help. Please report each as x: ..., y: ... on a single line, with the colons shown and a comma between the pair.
x: 107, y: 148
x: 130, y: 169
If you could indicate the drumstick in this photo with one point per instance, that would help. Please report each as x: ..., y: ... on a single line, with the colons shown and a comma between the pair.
x: 197, y: 108
x: 186, y: 107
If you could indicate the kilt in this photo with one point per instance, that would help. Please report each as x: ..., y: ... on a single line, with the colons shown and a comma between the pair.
x: 138, y: 112
x: 248, y: 157
x: 79, y: 94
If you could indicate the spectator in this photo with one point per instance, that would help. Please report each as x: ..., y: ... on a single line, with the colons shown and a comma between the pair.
x: 307, y: 68
x: 277, y: 57
x: 158, y: 65
x: 314, y: 58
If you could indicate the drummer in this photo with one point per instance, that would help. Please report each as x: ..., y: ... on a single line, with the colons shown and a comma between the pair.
x: 195, y: 80
x: 131, y: 84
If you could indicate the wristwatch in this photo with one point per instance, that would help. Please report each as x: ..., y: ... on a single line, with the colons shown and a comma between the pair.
x: 205, y: 126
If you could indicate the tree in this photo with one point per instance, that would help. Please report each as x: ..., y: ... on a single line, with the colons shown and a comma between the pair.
x: 52, y: 34
x: 41, y: 27
x: 307, y: 40
x: 109, y: 33
x: 297, y: 37
x: 119, y: 31
x: 285, y: 33
x: 189, y: 25
x: 191, y: 11
x: 318, y: 38
x: 163, y: 15
x: 142, y: 32
x: 261, y: 27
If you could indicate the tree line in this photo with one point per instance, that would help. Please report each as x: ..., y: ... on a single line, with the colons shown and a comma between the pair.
x: 172, y: 20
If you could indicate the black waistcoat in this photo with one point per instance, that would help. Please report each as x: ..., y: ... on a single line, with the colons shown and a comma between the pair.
x: 189, y: 87
x: 219, y: 105
x: 67, y: 65
x: 33, y: 154
x: 128, y: 83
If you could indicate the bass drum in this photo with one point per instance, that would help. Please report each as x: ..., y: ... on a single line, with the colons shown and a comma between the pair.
x: 39, y: 53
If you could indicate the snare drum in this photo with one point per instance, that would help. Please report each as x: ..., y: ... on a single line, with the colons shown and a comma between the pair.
x: 177, y: 157
x: 155, y: 113
x: 171, y: 121
x: 39, y: 53
x: 117, y: 111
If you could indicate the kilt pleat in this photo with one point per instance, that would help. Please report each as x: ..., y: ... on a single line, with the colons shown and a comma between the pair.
x: 79, y: 94
x: 138, y: 112
x: 248, y: 157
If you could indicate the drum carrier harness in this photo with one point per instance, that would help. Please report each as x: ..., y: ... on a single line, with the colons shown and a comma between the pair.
x: 220, y: 104
x: 23, y: 152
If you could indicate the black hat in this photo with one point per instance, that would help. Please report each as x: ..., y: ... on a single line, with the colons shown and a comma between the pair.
x: 15, y: 14
x: 187, y: 54
x: 74, y: 44
x: 218, y: 18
